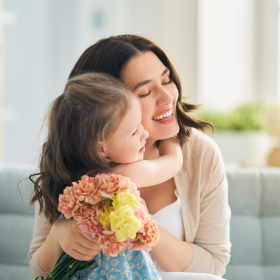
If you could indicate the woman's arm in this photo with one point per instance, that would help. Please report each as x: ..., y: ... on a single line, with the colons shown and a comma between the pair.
x: 146, y: 173
x: 179, y: 252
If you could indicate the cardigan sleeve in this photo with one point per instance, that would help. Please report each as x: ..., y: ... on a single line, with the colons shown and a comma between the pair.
x: 211, y: 243
x: 41, y: 230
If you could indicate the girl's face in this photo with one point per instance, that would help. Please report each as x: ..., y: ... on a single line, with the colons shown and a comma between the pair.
x: 150, y: 80
x: 127, y: 144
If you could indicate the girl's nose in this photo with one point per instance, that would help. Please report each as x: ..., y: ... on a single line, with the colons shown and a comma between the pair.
x: 164, y: 97
x: 145, y: 133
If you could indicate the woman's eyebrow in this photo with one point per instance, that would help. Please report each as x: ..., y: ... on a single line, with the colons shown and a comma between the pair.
x: 140, y: 84
x: 165, y: 71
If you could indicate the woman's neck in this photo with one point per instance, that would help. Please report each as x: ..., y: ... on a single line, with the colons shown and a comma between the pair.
x: 151, y: 150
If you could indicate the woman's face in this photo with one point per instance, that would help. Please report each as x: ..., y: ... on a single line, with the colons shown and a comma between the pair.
x: 150, y: 80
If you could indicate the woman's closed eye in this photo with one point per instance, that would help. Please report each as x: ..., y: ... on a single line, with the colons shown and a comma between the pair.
x: 168, y: 82
x: 144, y: 95
x: 148, y: 93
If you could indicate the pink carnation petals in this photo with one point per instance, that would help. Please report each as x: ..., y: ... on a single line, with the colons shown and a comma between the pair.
x: 67, y: 202
x: 87, y: 190
x: 141, y: 214
x: 112, y: 183
x: 85, y: 201
x: 85, y: 212
x: 150, y: 236
x: 110, y: 245
x: 91, y: 229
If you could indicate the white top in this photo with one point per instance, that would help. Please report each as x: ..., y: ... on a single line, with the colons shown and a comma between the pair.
x: 170, y: 219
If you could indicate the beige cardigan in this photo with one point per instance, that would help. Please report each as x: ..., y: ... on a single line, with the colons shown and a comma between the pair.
x: 203, y: 190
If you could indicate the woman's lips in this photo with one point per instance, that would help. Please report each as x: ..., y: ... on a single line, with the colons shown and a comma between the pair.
x: 167, y: 120
x: 162, y: 113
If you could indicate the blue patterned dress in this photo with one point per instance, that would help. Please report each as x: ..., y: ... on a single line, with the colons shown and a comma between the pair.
x: 127, y: 265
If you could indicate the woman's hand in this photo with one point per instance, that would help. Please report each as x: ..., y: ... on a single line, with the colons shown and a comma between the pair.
x: 74, y: 242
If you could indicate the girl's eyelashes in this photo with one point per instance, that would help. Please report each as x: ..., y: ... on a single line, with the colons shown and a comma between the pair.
x: 134, y: 132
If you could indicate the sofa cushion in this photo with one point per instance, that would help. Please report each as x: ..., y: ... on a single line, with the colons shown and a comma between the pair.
x: 255, y: 224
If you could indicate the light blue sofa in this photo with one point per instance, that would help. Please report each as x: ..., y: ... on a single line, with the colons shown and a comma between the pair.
x: 254, y: 196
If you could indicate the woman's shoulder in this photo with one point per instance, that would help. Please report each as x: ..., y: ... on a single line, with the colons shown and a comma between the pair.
x: 199, y: 144
x: 203, y: 167
x: 201, y: 155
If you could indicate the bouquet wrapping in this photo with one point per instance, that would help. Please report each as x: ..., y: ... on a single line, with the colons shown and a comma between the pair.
x: 108, y: 206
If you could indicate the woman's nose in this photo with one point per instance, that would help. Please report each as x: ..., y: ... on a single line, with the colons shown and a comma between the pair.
x: 164, y: 97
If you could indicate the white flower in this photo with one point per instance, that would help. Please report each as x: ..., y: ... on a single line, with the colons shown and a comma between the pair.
x: 131, y: 265
x: 139, y: 265
x: 115, y: 262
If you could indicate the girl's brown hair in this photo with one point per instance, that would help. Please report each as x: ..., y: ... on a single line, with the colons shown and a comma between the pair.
x: 89, y: 110
x: 110, y: 55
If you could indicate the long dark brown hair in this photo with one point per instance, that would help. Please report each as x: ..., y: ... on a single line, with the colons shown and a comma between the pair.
x: 89, y: 110
x: 110, y: 55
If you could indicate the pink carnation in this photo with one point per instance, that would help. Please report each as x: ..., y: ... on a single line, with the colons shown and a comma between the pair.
x: 133, y: 189
x: 67, y: 202
x: 112, y: 183
x: 85, y: 212
x: 86, y: 190
x: 141, y: 213
x: 110, y: 245
x: 91, y: 228
x: 135, y: 244
x: 150, y: 236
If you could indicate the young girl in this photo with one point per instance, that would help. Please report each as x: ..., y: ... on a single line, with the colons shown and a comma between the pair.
x: 94, y: 127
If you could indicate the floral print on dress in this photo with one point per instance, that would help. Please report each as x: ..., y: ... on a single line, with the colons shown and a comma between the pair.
x: 129, y: 265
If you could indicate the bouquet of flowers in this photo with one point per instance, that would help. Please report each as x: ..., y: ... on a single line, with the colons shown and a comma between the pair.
x: 108, y: 206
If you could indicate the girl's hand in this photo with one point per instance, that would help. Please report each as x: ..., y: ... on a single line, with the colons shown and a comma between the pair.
x: 73, y: 241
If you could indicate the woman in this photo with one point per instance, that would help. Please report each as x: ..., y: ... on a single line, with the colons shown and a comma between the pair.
x: 192, y: 208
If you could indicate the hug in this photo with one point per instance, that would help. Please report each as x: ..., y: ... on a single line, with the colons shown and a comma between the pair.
x: 122, y: 111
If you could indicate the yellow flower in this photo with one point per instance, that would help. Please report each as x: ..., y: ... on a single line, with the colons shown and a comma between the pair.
x: 125, y: 199
x: 124, y: 223
x: 104, y: 216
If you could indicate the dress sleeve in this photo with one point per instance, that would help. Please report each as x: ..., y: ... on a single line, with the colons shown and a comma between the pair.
x: 211, y: 243
x: 41, y: 230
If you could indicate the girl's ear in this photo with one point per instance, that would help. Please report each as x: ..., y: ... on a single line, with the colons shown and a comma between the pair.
x: 101, y: 149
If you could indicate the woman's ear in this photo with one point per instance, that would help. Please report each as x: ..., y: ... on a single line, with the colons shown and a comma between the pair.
x: 101, y: 149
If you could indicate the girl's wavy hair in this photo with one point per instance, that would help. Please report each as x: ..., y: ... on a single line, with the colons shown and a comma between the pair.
x: 89, y: 110
x: 110, y: 55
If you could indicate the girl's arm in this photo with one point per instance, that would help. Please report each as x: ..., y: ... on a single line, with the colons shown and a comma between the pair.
x: 146, y: 173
